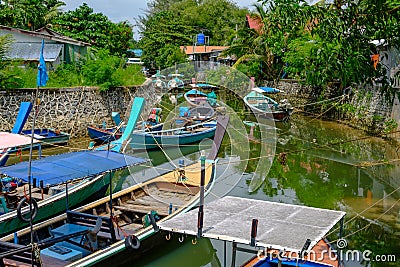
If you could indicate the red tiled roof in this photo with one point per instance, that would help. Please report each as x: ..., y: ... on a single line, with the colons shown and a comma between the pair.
x: 190, y: 50
x: 255, y: 22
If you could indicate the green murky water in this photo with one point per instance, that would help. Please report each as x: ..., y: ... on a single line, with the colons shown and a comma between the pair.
x: 317, y: 163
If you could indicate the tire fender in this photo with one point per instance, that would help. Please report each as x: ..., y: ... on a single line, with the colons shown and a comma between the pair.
x: 34, y: 209
x: 132, y: 242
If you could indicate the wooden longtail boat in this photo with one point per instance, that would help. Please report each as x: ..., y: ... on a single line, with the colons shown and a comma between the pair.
x: 123, y: 223
x: 5, y: 150
x: 101, y: 134
x: 81, y: 173
x: 173, y: 137
x: 195, y: 97
x: 268, y: 108
x: 130, y: 216
x: 48, y: 136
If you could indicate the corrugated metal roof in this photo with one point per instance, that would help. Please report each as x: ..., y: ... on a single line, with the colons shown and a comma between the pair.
x: 189, y: 50
x: 47, y: 34
x: 31, y: 51
x: 280, y: 226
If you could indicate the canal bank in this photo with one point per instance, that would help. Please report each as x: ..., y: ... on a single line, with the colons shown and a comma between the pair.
x: 371, y: 108
x: 73, y: 109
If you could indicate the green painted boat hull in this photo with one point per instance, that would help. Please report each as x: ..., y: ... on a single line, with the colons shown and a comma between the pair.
x: 56, y: 204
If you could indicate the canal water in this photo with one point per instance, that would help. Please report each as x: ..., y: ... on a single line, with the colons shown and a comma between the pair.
x: 316, y: 163
x: 319, y: 164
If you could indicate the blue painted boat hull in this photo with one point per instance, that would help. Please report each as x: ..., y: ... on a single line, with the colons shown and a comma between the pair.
x: 48, y: 136
x: 176, y: 137
x: 103, y: 136
x: 100, y: 135
x: 268, y: 262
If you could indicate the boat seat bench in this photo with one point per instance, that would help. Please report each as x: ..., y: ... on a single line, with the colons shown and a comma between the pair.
x: 107, y: 226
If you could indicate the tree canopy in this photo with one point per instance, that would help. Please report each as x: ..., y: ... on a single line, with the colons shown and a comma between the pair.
x: 94, y: 28
x: 322, y: 43
x: 81, y: 24
x: 169, y: 24
x: 29, y: 14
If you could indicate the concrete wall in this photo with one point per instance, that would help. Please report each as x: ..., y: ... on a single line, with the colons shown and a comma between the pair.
x: 73, y: 109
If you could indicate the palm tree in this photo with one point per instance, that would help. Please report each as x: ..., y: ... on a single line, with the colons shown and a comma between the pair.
x: 251, y: 48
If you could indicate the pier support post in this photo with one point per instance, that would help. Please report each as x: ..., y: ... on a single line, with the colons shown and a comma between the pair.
x: 200, y: 216
x: 254, y: 225
x: 224, y: 253
x: 234, y: 247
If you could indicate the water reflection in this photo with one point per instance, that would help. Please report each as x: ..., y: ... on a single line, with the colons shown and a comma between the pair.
x: 333, y: 166
x: 316, y: 163
x: 176, y: 253
x: 328, y: 165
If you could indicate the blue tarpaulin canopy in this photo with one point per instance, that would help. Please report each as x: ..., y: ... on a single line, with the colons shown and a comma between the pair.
x: 63, y: 167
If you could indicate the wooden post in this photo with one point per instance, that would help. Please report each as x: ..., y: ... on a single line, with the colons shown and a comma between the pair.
x: 200, y: 216
x: 111, y: 206
x: 254, y: 225
x: 234, y: 246
x: 340, y: 237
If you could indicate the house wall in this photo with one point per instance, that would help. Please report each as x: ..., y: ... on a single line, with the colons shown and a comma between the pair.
x: 389, y: 58
x: 73, y: 109
x: 72, y: 52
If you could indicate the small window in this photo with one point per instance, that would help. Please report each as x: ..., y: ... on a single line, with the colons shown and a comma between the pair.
x: 134, y: 60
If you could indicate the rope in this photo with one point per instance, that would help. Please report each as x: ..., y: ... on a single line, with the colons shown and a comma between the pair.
x: 366, y: 226
x: 114, y: 219
x: 323, y: 101
x: 369, y: 207
x: 36, y: 254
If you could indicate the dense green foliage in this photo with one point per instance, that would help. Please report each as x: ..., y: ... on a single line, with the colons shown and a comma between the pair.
x: 323, y: 44
x: 29, y: 14
x: 81, y: 24
x: 106, y: 38
x: 94, y: 28
x: 105, y: 71
x: 7, y: 79
x: 173, y: 23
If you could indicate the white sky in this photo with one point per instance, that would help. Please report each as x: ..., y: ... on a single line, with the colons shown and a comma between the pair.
x: 121, y: 10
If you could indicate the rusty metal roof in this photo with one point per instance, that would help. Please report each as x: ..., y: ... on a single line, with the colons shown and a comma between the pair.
x: 31, y: 51
x: 280, y: 226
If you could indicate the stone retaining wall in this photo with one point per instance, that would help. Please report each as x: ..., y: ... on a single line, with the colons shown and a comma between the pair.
x: 366, y: 107
x: 73, y: 109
